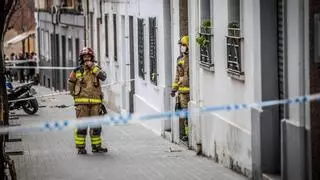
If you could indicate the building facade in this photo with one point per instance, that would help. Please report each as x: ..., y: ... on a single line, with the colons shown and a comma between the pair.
x: 60, y: 35
x: 240, y: 52
x: 133, y: 43
x: 256, y: 51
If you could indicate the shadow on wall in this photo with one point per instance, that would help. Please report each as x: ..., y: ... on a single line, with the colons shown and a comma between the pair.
x: 110, y: 98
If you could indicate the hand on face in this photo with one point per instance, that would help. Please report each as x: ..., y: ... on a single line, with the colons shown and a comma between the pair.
x: 88, y: 61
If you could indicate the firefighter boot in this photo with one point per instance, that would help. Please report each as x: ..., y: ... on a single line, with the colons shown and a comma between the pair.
x: 99, y: 149
x: 82, y: 151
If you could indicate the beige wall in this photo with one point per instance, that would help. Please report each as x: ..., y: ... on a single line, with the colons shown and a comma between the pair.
x: 16, y: 48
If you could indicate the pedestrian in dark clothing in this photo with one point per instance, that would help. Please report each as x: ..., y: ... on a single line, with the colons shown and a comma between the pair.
x: 32, y: 63
x: 21, y: 71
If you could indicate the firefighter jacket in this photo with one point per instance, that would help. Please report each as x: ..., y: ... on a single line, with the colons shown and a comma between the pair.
x: 181, y: 81
x: 84, y: 85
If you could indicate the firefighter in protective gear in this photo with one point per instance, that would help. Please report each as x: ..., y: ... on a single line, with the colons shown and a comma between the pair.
x: 84, y: 85
x: 181, y: 85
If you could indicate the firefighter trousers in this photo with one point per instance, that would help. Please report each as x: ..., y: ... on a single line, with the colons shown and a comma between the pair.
x: 182, y: 103
x: 87, y: 110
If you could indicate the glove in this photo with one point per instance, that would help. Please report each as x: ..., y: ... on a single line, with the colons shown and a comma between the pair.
x: 96, y: 70
x: 99, y: 73
x: 173, y: 93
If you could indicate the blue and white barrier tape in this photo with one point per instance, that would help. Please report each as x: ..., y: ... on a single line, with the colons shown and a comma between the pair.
x: 59, y: 93
x: 41, y: 67
x: 58, y: 125
x: 20, y: 61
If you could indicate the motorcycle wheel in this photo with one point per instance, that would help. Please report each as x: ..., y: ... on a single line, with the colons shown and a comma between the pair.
x: 31, y: 106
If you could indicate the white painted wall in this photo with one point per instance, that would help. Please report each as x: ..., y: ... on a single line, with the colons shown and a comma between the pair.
x: 175, y: 31
x: 149, y: 98
x: 226, y: 136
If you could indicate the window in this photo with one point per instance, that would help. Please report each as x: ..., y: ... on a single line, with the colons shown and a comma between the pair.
x: 115, y: 37
x: 70, y: 52
x: 91, y: 29
x: 205, y: 35
x: 42, y: 45
x: 141, y: 48
x: 106, y: 20
x: 234, y: 39
x: 64, y: 60
x: 52, y: 47
x: 77, y: 47
x: 46, y: 45
x: 39, y: 42
x: 153, y: 50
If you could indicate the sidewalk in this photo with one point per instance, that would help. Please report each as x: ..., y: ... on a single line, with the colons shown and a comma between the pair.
x: 135, y: 153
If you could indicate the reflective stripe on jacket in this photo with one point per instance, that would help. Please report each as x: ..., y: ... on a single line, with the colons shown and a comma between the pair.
x: 181, y: 81
x: 87, y: 100
x: 85, y: 85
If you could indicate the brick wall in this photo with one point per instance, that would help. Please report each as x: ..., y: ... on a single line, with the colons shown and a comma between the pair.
x: 314, y: 88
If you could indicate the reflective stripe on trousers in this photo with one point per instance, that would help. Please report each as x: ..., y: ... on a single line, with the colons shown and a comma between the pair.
x: 184, y: 89
x: 80, y: 140
x: 96, y: 141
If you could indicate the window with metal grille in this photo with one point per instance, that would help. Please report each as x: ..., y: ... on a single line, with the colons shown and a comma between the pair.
x: 205, y: 49
x: 205, y: 34
x: 106, y: 20
x: 234, y: 39
x: 115, y: 43
x: 234, y: 55
x: 141, y: 48
x: 153, y: 50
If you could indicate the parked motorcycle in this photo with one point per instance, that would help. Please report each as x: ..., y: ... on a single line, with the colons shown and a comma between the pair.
x: 30, y: 105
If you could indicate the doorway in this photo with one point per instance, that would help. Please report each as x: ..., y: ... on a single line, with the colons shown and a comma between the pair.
x: 64, y: 63
x: 314, y: 75
x: 132, y: 63
x: 183, y: 14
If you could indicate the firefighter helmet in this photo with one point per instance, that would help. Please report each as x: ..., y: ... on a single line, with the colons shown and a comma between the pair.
x: 184, y: 41
x: 86, y: 51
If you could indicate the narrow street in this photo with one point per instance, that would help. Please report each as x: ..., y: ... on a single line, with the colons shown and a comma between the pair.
x: 134, y: 152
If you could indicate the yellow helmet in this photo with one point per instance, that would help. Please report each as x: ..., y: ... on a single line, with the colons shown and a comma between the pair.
x: 185, y: 40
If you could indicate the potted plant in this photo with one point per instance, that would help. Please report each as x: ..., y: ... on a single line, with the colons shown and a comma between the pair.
x: 202, y: 40
x: 234, y: 29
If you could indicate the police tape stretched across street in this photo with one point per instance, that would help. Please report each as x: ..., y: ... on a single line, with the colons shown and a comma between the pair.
x: 58, y: 93
x: 97, y: 121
